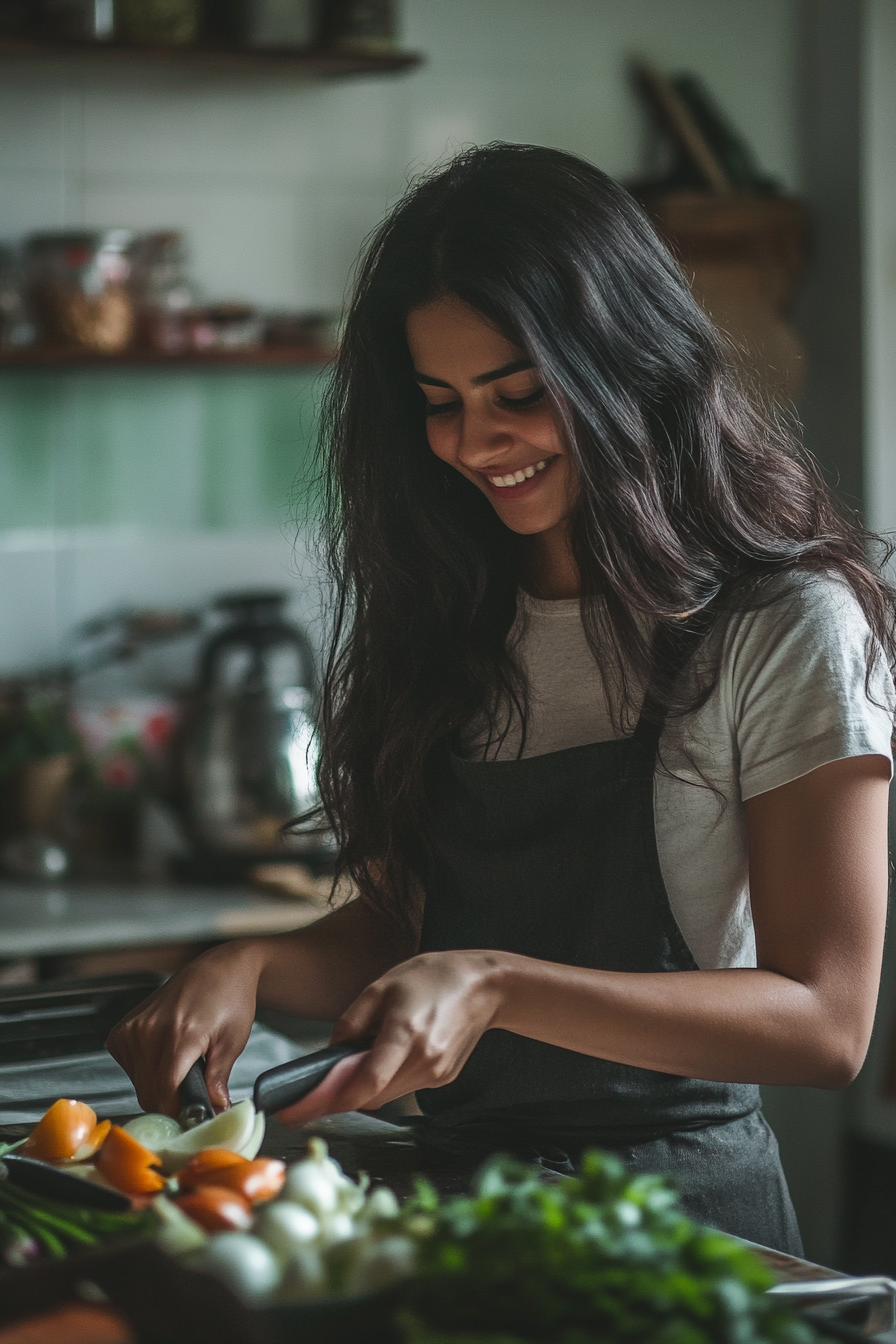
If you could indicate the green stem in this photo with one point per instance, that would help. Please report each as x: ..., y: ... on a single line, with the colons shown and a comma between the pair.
x: 11, y: 1147
x: 25, y: 1208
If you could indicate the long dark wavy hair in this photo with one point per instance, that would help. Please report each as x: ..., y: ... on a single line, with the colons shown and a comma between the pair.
x: 689, y: 496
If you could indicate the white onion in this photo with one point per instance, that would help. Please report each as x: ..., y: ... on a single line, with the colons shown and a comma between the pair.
x: 153, y: 1131
x: 178, y: 1234
x: 311, y: 1184
x: 243, y: 1263
x: 286, y: 1227
x: 381, y: 1205
x: 379, y: 1263
x: 303, y: 1276
x: 335, y: 1228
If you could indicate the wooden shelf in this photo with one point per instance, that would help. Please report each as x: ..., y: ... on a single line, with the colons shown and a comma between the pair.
x: 257, y: 357
x: 203, y: 56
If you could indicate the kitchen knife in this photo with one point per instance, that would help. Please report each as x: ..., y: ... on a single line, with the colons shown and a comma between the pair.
x: 193, y: 1097
x: 275, y: 1089
x: 41, y: 1179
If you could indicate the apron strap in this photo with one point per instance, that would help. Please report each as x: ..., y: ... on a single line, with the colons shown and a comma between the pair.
x: 673, y: 646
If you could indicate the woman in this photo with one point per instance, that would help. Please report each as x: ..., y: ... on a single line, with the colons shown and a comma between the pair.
x: 608, y: 698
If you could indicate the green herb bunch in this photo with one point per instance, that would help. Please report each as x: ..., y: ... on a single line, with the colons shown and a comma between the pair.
x: 603, y: 1256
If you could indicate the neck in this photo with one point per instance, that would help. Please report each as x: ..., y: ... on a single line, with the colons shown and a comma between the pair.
x: 550, y: 571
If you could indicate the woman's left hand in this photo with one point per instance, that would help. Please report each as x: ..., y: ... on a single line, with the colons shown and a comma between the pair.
x: 427, y: 1014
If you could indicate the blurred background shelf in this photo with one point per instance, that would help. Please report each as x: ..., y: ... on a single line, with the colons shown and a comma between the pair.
x: 207, y: 57
x: 273, y: 357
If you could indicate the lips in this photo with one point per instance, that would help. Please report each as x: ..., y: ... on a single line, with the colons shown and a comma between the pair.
x: 524, y: 480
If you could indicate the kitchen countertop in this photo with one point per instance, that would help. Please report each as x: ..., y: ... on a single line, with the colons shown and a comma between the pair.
x: 62, y: 918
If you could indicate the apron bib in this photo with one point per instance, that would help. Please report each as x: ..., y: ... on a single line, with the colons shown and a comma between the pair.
x: 555, y: 857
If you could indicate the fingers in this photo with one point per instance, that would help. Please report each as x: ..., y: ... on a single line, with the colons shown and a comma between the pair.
x: 362, y: 1018
x: 326, y: 1097
x: 220, y: 1057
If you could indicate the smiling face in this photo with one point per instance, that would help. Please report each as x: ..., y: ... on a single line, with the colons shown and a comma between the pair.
x: 487, y: 415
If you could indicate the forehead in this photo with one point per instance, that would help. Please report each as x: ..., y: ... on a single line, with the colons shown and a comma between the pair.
x: 448, y: 332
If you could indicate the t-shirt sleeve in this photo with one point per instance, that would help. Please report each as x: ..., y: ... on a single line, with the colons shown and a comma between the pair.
x: 795, y: 671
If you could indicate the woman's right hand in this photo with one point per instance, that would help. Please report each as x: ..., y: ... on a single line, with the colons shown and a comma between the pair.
x: 207, y: 1008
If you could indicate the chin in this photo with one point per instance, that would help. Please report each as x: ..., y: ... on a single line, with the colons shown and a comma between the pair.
x: 532, y: 524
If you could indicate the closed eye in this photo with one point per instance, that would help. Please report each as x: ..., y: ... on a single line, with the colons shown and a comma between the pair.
x: 520, y: 403
x: 441, y: 408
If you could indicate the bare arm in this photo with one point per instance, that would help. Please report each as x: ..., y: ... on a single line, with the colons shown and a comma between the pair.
x: 818, y: 880
x: 208, y: 1007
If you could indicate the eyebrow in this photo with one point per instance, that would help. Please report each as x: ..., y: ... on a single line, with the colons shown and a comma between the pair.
x: 518, y: 366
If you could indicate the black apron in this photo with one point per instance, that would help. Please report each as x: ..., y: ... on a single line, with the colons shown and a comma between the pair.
x: 555, y: 857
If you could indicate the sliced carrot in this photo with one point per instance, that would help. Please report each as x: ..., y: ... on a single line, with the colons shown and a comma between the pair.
x: 60, y: 1132
x: 129, y: 1165
x: 216, y: 1209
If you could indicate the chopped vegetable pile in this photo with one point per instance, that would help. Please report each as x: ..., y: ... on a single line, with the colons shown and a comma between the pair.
x: 600, y: 1256
x: 312, y: 1233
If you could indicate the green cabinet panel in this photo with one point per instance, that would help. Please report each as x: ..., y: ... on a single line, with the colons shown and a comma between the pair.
x: 167, y: 449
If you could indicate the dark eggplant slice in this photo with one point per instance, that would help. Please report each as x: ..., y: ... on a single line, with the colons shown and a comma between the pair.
x: 53, y: 1183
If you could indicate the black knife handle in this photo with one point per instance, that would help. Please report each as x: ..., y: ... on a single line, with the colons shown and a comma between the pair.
x: 275, y: 1089
x: 195, y: 1105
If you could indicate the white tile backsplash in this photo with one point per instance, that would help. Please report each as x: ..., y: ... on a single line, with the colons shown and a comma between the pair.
x: 51, y: 580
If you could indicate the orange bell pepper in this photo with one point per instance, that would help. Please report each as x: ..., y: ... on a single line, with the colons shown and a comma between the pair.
x: 59, y: 1133
x: 129, y: 1165
x: 203, y: 1168
x: 262, y: 1178
x: 94, y: 1141
x: 216, y: 1209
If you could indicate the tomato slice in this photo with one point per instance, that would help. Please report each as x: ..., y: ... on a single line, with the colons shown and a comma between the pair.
x: 128, y: 1165
x: 204, y: 1167
x: 259, y: 1179
x: 216, y: 1209
x: 61, y: 1131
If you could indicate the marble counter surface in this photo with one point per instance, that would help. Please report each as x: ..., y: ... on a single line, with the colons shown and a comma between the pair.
x: 48, y: 920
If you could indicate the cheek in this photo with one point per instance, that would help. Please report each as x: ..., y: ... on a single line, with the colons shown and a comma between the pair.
x: 440, y: 439
x: 543, y: 432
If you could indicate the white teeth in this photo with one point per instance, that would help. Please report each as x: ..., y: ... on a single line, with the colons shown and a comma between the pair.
x: 524, y: 474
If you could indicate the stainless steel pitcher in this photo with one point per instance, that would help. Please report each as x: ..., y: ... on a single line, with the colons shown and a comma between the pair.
x: 251, y: 749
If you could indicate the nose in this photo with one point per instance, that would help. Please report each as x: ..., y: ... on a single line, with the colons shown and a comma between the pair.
x: 485, y: 438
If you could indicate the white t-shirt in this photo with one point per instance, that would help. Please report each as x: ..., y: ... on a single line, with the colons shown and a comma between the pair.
x: 790, y: 697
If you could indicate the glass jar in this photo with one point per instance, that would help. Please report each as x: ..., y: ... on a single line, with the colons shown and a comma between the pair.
x: 158, y: 23
x: 77, y: 284
x: 78, y: 20
x: 358, y: 27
